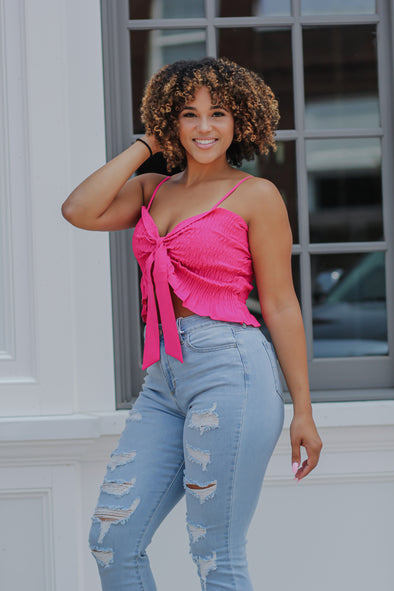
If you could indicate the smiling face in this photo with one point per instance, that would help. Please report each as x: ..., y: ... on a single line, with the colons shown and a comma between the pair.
x: 205, y: 130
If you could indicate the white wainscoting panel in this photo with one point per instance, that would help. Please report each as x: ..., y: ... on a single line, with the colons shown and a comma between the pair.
x: 40, y: 526
x: 25, y: 541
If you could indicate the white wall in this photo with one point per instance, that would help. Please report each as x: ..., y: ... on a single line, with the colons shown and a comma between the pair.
x: 59, y: 352
x: 58, y: 423
x: 335, y: 530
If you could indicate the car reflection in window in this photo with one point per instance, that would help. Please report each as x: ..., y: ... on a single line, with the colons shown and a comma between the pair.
x: 350, y: 318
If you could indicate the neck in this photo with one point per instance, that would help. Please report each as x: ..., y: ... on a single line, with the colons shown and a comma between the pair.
x: 196, y: 172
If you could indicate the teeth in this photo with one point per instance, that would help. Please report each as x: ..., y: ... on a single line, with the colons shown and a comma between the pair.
x: 205, y: 142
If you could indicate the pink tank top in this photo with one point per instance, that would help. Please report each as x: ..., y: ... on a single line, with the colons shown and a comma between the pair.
x: 206, y: 260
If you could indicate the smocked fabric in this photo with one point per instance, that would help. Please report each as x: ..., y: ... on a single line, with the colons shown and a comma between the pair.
x: 207, y: 262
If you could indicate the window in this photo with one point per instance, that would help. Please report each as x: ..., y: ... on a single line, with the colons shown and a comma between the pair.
x: 329, y: 65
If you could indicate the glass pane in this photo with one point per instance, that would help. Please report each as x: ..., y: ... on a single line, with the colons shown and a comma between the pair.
x: 166, y: 9
x: 338, y: 7
x: 349, y: 305
x: 344, y: 190
x: 253, y: 8
x: 280, y: 168
x: 253, y: 300
x: 150, y: 50
x: 254, y: 49
x: 341, y: 81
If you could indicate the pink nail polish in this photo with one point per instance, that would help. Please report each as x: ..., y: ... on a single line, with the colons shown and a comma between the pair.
x: 295, y: 467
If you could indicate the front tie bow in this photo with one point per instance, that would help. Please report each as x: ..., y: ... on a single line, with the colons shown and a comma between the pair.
x: 158, y: 290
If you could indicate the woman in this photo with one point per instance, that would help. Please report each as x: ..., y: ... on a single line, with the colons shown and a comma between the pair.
x: 211, y: 410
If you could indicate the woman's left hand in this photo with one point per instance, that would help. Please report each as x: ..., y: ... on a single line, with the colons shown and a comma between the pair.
x: 303, y: 432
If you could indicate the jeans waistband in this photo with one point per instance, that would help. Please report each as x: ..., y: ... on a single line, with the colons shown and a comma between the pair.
x: 187, y: 323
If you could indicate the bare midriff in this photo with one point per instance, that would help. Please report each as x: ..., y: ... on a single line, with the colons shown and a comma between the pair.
x: 179, y: 309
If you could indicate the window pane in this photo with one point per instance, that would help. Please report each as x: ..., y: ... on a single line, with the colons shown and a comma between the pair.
x: 349, y: 305
x: 253, y: 8
x: 280, y: 168
x: 166, y: 9
x: 341, y: 82
x: 344, y: 190
x: 269, y: 54
x: 253, y: 300
x: 150, y: 50
x: 338, y: 7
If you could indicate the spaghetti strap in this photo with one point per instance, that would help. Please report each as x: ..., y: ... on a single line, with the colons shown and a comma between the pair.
x: 155, y: 191
x: 232, y: 190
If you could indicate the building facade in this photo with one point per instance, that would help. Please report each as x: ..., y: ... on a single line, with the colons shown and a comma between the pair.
x: 72, y: 75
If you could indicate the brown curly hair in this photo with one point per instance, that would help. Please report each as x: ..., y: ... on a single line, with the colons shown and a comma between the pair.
x: 243, y: 92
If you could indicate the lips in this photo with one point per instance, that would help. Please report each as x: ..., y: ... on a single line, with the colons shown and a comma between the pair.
x: 205, y: 142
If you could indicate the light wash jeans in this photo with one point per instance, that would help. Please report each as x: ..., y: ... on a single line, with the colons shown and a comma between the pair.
x: 212, y: 422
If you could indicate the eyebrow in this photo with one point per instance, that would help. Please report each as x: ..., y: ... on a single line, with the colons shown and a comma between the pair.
x: 211, y: 108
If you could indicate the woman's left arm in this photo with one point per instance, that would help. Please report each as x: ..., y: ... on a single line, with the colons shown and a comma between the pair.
x: 270, y: 242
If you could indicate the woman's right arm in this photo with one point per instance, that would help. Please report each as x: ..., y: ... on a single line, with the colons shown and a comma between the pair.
x: 108, y: 199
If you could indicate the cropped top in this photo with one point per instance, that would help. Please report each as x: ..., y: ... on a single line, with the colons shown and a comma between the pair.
x: 207, y: 262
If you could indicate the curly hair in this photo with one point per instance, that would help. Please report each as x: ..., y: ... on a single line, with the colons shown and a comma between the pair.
x: 251, y: 102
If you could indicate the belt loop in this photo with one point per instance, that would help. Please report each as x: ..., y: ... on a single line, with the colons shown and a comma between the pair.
x: 178, y: 324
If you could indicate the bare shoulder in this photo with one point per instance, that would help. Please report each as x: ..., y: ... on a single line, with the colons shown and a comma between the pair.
x: 263, y: 201
x: 263, y: 192
x: 269, y: 226
x: 149, y: 182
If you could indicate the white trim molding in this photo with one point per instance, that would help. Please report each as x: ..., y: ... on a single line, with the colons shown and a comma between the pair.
x: 56, y: 350
x: 17, y: 358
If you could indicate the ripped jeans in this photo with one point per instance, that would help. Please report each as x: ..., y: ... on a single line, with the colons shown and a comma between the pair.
x: 206, y: 427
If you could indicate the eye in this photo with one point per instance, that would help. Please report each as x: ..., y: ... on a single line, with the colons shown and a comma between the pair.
x: 188, y: 114
x: 218, y: 114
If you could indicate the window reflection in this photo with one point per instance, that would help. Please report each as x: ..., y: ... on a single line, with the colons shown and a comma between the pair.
x: 344, y: 189
x: 338, y: 7
x: 150, y: 50
x: 341, y: 83
x: 253, y: 8
x: 349, y: 305
x: 166, y: 9
x: 280, y: 168
x: 254, y: 49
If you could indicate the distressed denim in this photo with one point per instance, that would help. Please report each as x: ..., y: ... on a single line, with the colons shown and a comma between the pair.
x: 210, y: 422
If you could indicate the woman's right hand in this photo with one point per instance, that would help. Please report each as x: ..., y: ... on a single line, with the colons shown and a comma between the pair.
x: 152, y: 142
x: 109, y: 199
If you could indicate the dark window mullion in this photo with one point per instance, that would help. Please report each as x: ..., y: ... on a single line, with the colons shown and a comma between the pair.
x: 342, y: 133
x: 167, y: 23
x: 338, y: 20
x: 211, y: 31
x: 302, y: 185
x: 267, y: 22
x: 346, y: 247
x: 385, y: 65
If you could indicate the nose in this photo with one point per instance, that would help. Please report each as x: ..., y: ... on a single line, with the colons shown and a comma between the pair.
x: 204, y: 123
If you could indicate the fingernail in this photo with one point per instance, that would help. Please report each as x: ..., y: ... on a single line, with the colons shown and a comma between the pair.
x: 295, y: 467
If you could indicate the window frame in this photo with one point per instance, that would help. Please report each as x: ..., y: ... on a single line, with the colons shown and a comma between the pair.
x: 374, y: 374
